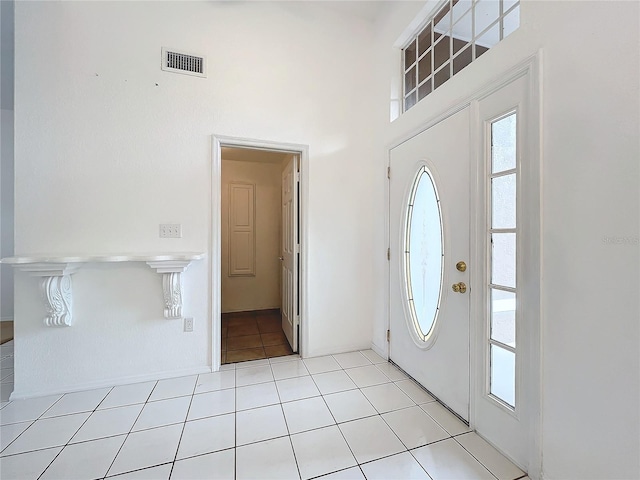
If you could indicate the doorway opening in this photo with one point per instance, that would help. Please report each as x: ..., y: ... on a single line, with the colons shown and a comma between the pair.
x: 257, y: 276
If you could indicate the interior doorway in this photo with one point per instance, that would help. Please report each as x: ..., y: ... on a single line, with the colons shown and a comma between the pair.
x: 259, y: 252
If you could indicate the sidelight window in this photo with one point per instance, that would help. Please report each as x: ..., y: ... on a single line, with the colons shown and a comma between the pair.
x: 502, y: 257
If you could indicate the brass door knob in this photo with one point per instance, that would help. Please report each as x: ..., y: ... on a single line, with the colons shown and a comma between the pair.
x: 461, y: 266
x: 459, y: 287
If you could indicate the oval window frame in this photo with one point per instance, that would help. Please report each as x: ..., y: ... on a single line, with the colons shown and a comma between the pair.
x: 421, y: 339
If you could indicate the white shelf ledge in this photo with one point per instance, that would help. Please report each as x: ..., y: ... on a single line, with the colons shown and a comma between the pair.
x: 56, y: 271
x: 125, y: 257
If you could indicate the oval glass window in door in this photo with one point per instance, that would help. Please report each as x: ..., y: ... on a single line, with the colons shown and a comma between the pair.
x: 423, y: 256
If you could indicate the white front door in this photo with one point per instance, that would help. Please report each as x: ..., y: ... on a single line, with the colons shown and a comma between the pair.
x: 429, y: 321
x: 290, y: 252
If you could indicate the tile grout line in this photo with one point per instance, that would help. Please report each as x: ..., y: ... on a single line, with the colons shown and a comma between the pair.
x: 286, y: 424
x: 184, y: 425
x: 336, y: 425
x: 235, y: 424
x: 388, y: 426
x: 11, y: 442
x: 471, y: 453
x: 133, y: 471
x: 40, y: 418
x: 131, y: 429
x: 75, y: 433
x: 90, y: 439
x: 371, y: 416
x: 380, y: 415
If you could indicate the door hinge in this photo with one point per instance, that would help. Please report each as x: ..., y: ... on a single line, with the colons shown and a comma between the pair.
x: 297, y: 176
x: 388, y: 254
x: 389, y: 173
x: 388, y: 335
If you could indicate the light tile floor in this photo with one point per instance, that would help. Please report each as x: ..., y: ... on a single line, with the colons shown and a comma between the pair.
x: 347, y: 416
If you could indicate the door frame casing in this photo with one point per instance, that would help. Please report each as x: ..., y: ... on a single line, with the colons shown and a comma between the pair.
x: 530, y: 66
x: 215, y: 230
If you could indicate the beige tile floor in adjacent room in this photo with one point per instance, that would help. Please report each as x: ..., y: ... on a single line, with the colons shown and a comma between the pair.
x: 253, y: 336
x: 346, y: 416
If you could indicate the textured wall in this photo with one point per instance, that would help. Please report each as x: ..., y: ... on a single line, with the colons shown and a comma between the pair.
x: 108, y: 146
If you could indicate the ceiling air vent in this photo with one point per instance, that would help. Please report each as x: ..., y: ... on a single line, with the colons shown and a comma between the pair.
x: 173, y: 61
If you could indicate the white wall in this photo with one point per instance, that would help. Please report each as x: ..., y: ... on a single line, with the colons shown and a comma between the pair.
x: 108, y: 146
x: 261, y: 291
x: 590, y: 216
x: 6, y: 156
x: 6, y: 215
x: 119, y: 334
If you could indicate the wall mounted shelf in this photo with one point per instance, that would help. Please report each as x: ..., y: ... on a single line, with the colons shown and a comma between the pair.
x: 56, y: 271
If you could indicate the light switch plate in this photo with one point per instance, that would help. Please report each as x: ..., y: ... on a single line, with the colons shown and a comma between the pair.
x: 170, y: 230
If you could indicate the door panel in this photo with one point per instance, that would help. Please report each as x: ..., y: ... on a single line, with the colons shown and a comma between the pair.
x: 289, y: 276
x: 441, y: 363
x: 242, y: 233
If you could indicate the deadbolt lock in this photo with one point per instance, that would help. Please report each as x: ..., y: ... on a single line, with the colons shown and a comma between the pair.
x: 461, y: 266
x: 459, y: 287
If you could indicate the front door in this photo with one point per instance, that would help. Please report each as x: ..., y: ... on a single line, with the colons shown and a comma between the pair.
x: 290, y: 252
x: 429, y: 253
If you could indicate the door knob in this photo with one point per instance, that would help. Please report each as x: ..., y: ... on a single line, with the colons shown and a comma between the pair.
x: 461, y: 266
x: 281, y: 259
x: 459, y: 287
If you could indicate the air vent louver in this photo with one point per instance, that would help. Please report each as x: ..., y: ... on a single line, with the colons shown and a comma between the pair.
x: 178, y: 62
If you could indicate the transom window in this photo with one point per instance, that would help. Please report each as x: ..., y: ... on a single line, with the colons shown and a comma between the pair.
x: 459, y: 33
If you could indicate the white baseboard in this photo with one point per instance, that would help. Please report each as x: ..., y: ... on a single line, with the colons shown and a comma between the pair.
x: 383, y: 352
x: 333, y: 351
x: 30, y: 393
x: 6, y: 319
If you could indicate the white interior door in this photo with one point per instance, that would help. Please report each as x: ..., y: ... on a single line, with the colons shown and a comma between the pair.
x: 290, y: 252
x: 423, y: 259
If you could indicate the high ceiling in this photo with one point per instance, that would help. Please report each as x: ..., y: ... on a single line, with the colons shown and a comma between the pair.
x: 365, y: 9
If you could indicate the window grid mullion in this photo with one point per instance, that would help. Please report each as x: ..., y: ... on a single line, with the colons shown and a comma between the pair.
x: 433, y: 50
x: 503, y: 288
x: 498, y: 343
x: 471, y: 44
x: 501, y: 18
x: 504, y: 173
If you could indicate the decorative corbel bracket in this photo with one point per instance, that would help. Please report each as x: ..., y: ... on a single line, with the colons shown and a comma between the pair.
x: 171, y: 271
x: 56, y: 274
x: 56, y: 290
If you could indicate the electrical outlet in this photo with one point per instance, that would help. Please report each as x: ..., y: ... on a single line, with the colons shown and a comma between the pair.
x: 188, y: 324
x: 170, y: 230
